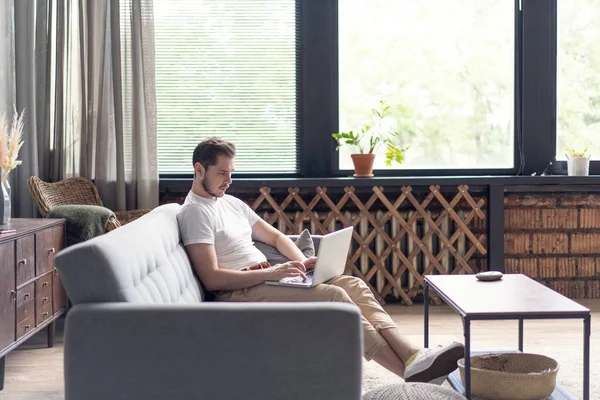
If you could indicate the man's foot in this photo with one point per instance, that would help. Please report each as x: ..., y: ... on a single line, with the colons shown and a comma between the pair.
x: 429, y: 365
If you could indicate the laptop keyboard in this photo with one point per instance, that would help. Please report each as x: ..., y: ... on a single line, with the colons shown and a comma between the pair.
x: 299, y: 279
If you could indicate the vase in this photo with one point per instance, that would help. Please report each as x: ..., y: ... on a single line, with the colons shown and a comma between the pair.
x: 5, y: 202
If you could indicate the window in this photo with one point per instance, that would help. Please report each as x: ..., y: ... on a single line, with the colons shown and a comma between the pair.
x: 578, y: 77
x: 227, y: 68
x: 445, y: 68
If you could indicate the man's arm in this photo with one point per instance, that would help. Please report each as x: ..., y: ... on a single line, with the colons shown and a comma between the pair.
x: 265, y: 233
x: 204, y: 260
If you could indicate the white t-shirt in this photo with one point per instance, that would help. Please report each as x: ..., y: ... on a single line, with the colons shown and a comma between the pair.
x: 225, y: 222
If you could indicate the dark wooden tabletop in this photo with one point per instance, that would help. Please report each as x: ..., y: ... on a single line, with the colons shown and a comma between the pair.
x: 514, y: 294
x: 25, y: 226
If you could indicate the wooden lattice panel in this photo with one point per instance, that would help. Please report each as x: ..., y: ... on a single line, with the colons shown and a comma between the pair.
x: 434, y: 212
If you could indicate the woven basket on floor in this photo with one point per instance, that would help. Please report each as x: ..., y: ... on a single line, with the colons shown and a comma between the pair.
x: 515, y: 376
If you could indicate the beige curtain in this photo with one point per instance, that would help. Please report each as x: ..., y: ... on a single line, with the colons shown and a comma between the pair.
x: 84, y: 72
x: 7, y: 57
x: 109, y: 100
x: 29, y: 57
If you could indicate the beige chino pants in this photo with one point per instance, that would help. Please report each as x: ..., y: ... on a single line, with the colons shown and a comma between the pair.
x: 346, y: 289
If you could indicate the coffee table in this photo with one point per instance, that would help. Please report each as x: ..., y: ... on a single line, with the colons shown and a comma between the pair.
x: 515, y: 296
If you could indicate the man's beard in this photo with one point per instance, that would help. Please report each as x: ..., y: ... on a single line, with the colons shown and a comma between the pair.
x: 207, y: 188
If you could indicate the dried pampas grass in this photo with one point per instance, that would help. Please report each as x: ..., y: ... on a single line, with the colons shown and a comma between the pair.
x: 4, y: 132
x: 11, y: 141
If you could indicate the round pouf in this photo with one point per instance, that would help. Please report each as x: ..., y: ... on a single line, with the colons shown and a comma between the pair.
x: 412, y: 391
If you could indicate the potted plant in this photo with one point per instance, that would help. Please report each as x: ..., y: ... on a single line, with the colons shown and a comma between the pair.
x: 578, y: 160
x: 368, y: 139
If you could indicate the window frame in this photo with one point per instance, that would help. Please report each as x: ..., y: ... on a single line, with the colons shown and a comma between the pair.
x: 540, y: 44
x: 336, y: 171
x: 559, y: 167
x: 318, y: 103
x: 299, y: 117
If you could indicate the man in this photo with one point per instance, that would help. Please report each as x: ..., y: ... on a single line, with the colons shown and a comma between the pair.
x: 218, y: 232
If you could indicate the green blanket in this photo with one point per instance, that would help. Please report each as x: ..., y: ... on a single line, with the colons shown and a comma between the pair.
x: 83, y: 221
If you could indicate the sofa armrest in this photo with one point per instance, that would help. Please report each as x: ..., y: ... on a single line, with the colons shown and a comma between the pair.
x: 214, y: 351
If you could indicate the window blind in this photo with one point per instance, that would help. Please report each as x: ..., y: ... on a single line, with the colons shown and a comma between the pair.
x: 227, y: 68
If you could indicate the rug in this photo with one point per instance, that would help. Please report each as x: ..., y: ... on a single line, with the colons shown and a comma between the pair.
x: 570, y: 374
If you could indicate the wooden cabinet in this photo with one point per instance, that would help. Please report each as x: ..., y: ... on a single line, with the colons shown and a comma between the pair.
x: 31, y: 296
x: 8, y: 296
x: 59, y: 296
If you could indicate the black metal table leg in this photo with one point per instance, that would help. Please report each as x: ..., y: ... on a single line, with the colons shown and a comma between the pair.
x: 587, y: 327
x: 467, y: 329
x: 521, y: 335
x: 426, y: 300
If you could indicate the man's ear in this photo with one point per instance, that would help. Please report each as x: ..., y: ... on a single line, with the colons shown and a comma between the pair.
x: 198, y: 169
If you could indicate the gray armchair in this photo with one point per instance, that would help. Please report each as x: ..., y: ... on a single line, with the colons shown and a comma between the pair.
x: 140, y: 329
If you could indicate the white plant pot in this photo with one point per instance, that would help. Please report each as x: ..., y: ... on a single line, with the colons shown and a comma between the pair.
x: 578, y: 166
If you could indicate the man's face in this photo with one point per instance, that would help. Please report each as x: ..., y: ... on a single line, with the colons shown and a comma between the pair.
x: 217, y: 178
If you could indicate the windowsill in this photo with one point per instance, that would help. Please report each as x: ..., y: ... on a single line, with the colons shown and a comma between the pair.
x: 512, y: 183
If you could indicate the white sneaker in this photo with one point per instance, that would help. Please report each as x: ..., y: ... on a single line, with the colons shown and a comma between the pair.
x: 433, y: 365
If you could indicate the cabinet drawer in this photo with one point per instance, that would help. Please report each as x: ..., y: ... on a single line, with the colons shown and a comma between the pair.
x: 25, y: 302
x: 42, y: 314
x: 42, y: 298
x: 43, y: 285
x: 25, y: 327
x: 25, y: 251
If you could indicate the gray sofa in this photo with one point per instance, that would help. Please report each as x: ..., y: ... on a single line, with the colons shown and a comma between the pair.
x: 140, y: 328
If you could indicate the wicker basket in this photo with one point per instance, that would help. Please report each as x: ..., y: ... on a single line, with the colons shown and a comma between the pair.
x: 515, y: 376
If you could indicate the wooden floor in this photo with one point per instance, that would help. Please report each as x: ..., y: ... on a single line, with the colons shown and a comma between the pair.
x: 34, y: 372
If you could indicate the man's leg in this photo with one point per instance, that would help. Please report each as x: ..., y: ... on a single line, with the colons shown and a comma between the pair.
x: 374, y: 344
x: 361, y: 295
x: 387, y: 358
x: 422, y: 365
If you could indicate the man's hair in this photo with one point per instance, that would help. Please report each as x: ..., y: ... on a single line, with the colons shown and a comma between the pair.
x: 208, y: 151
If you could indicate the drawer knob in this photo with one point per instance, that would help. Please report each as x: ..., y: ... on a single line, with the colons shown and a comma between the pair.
x: 44, y: 284
x: 45, y: 314
x: 51, y: 250
x: 27, y: 295
x: 23, y: 261
x: 27, y: 327
x: 45, y: 299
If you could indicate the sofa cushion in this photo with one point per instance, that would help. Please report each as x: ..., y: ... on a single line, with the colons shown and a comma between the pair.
x: 304, y: 242
x: 140, y: 262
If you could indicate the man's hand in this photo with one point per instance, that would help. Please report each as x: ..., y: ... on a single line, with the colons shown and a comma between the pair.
x: 309, y: 263
x: 290, y: 269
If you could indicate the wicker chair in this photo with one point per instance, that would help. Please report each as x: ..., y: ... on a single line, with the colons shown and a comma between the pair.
x: 75, y: 191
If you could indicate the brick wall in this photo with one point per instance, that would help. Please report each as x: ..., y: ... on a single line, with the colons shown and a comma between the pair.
x: 555, y: 238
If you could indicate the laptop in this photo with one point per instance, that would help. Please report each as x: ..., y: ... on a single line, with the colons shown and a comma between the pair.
x: 331, y: 261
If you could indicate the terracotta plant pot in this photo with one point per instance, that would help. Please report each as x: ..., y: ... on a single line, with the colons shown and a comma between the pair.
x: 363, y: 164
